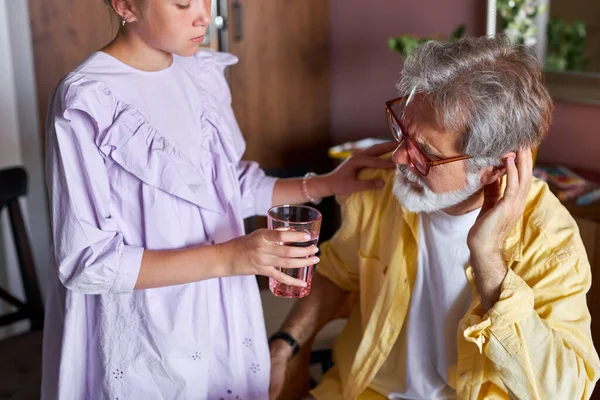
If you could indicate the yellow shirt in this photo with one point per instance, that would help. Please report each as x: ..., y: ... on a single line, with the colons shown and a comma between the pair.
x: 535, y: 342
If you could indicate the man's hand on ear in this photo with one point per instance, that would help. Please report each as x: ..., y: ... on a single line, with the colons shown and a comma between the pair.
x: 499, y: 214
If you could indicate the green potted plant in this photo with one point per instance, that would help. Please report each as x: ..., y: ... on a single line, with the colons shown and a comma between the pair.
x: 566, y: 46
x: 518, y: 19
x: 405, y: 44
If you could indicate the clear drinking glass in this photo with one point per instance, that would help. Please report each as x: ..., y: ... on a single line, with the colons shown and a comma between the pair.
x: 301, y: 219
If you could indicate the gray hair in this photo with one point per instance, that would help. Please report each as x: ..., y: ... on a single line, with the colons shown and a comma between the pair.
x: 487, y: 88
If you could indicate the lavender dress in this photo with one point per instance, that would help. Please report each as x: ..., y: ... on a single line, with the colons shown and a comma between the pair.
x: 149, y: 160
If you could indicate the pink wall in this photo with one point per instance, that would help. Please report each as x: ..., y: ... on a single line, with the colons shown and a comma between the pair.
x: 364, y: 72
x: 574, y: 138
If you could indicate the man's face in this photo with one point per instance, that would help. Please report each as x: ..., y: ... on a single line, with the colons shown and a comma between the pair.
x: 446, y: 185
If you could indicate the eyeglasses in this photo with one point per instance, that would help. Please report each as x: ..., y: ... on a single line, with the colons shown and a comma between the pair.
x: 416, y: 155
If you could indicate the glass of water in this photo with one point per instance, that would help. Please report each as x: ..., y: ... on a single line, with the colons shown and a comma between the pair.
x: 301, y: 219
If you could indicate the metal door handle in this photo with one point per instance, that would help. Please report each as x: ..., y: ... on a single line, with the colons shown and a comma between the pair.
x: 237, y: 21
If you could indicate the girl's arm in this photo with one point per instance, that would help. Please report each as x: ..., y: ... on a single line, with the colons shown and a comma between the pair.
x: 253, y: 254
x: 342, y: 181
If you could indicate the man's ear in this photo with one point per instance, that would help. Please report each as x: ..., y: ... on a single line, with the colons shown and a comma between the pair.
x: 493, y: 173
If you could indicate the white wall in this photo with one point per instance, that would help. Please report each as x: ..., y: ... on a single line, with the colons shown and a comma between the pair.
x: 10, y: 149
x: 20, y: 142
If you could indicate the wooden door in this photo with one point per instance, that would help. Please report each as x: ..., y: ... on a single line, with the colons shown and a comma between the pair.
x: 280, y: 86
x: 64, y: 33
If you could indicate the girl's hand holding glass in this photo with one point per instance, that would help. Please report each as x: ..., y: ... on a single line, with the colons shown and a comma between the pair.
x: 259, y: 252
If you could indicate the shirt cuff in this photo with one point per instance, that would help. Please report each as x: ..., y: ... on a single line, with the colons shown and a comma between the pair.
x: 514, y: 304
x: 264, y: 195
x: 130, y: 263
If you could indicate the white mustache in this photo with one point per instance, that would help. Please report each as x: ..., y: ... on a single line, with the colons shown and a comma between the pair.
x: 426, y: 200
x: 409, y: 175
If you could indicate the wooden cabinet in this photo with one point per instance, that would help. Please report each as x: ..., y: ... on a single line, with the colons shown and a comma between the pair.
x: 280, y: 86
x: 590, y: 234
x: 588, y: 221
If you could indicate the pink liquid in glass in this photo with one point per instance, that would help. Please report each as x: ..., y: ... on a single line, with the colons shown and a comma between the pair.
x: 304, y: 273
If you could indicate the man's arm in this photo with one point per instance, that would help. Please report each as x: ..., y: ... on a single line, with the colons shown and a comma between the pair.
x: 490, y: 272
x: 305, y: 320
x: 309, y: 315
x: 498, y: 216
x: 536, y: 327
x: 537, y: 335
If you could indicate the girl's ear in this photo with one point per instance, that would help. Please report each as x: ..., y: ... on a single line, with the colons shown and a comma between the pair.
x: 126, y: 10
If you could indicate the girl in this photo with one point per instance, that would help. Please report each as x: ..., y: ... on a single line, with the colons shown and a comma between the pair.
x: 155, y: 296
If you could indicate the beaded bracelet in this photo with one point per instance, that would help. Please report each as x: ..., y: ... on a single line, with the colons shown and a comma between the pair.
x: 305, y: 188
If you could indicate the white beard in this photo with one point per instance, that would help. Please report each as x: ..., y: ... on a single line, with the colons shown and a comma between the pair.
x: 425, y: 200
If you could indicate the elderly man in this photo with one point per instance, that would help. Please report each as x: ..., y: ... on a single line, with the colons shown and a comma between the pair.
x: 472, y: 277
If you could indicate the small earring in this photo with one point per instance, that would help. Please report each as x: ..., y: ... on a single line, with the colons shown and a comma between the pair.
x: 123, y: 22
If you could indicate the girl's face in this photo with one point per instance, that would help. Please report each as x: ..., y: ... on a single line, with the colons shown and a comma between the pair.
x: 173, y: 26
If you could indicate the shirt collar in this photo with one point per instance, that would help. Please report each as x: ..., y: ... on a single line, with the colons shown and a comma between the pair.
x: 513, y: 246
